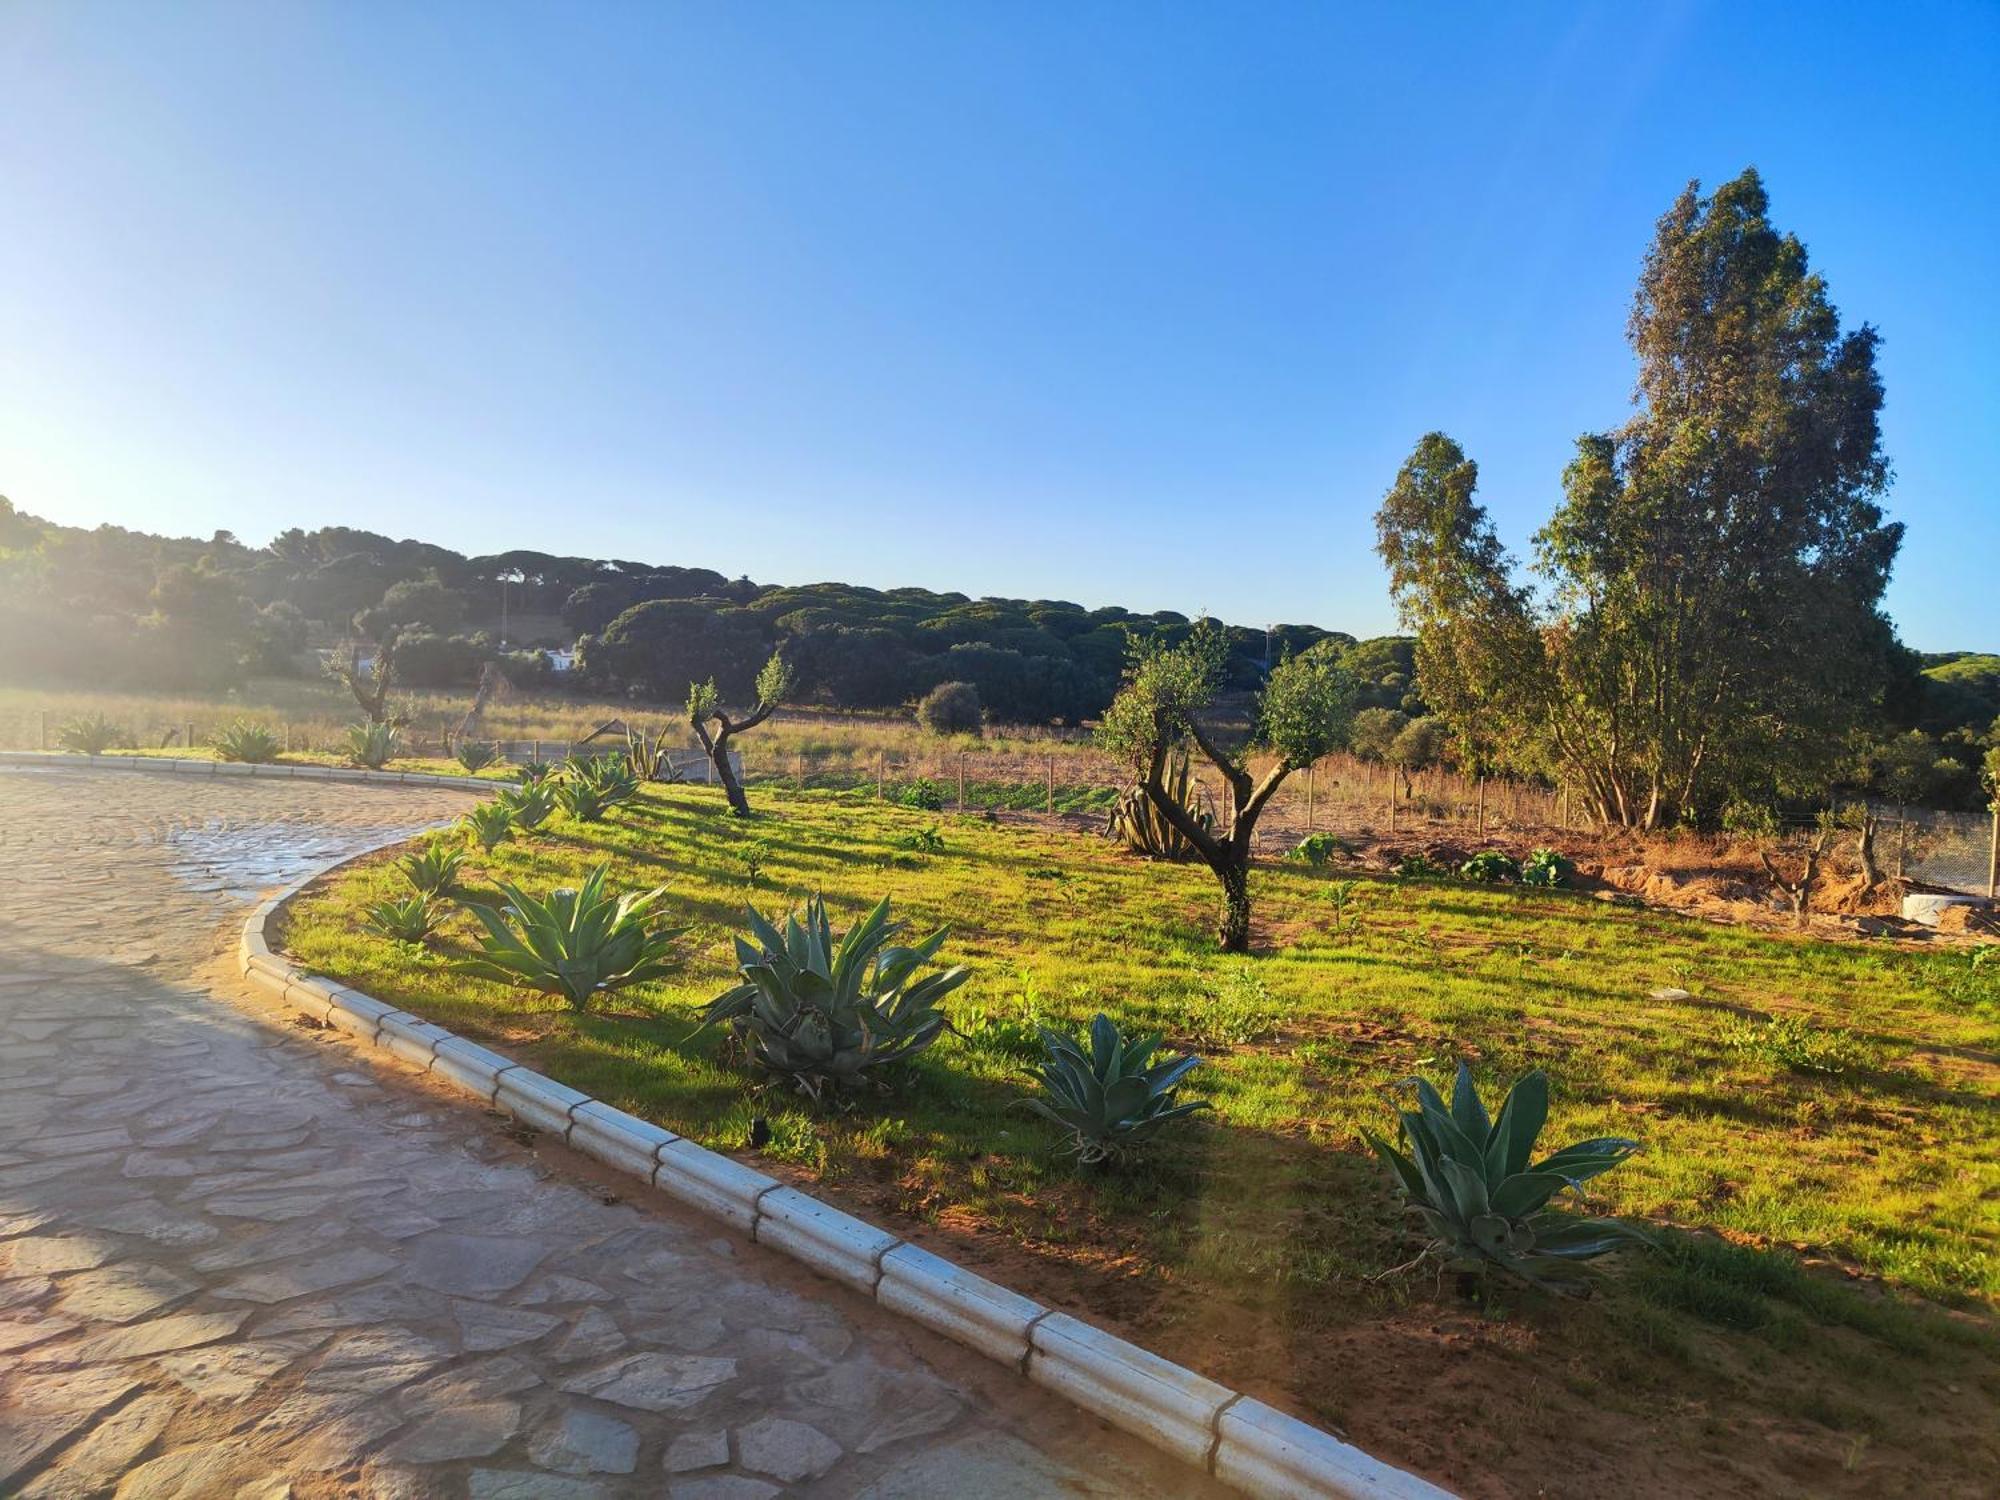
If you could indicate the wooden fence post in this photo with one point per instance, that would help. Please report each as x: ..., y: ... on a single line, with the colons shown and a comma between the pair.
x: 1993, y: 852
x: 961, y: 781
x: 1482, y: 807
x: 881, y: 775
x: 44, y: 716
x: 799, y: 772
x: 1309, y: 799
x: 1052, y: 785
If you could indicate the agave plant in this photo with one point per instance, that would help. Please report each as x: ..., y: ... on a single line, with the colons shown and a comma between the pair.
x: 1145, y: 829
x: 585, y: 801
x: 489, y: 823
x: 1474, y: 1183
x: 578, y: 944
x: 528, y: 805
x: 1114, y: 1097
x: 372, y: 745
x: 822, y: 1012
x: 89, y: 734
x: 408, y: 920
x: 244, y: 741
x: 534, y: 772
x: 476, y: 755
x: 433, y: 869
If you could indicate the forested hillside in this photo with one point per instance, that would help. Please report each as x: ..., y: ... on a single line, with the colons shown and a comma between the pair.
x: 123, y: 609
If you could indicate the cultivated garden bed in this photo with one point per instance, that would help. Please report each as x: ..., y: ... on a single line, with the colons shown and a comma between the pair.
x: 1818, y: 1124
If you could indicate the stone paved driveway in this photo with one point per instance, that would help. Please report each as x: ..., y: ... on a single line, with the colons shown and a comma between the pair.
x: 235, y: 1260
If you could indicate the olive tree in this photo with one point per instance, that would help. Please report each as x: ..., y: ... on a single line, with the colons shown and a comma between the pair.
x: 1302, y: 714
x: 715, y: 728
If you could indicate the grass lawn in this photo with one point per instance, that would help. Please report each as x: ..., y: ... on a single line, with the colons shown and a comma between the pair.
x: 1826, y: 1327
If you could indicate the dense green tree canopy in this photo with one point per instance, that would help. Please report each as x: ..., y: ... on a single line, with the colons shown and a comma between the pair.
x: 1707, y: 612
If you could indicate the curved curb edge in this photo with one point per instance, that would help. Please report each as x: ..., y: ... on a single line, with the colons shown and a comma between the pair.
x: 189, y: 766
x: 1246, y: 1444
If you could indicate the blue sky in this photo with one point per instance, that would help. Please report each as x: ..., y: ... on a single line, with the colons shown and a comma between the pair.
x: 1134, y: 304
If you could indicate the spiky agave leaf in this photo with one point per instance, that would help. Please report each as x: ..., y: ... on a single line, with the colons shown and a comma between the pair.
x: 1110, y: 1099
x: 433, y: 869
x: 489, y: 824
x: 1468, y: 1177
x: 578, y: 944
x: 821, y: 1012
x: 409, y: 919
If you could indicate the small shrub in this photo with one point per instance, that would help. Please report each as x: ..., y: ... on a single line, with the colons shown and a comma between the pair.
x: 752, y: 856
x: 1469, y: 1179
x: 1317, y: 849
x: 1491, y: 867
x: 1548, y: 869
x: 823, y: 1013
x: 252, y: 744
x: 1749, y: 820
x: 432, y: 870
x: 923, y: 794
x: 1340, y: 896
x: 1111, y: 1100
x: 1233, y: 1008
x: 923, y: 840
x: 951, y: 708
x: 578, y: 944
x: 476, y: 755
x: 372, y: 745
x: 1789, y: 1042
x: 412, y: 919
x: 528, y: 805
x: 91, y: 734
x: 489, y: 823
x: 1419, y: 867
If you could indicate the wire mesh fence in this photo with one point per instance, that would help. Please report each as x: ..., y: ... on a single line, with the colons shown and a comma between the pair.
x: 1057, y: 772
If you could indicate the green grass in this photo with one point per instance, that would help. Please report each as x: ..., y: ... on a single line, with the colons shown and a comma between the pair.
x: 1885, y: 1165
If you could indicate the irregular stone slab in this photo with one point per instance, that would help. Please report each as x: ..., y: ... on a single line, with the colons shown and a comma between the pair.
x: 95, y: 1463
x: 458, y: 1432
x: 375, y: 1360
x: 785, y: 1449
x: 697, y: 1450
x: 474, y: 1265
x: 564, y: 1289
x: 509, y: 1484
x: 655, y: 1382
x: 120, y: 1293
x: 229, y: 1372
x: 50, y: 1255
x: 583, y: 1442
x: 303, y: 1278
x: 991, y: 1465
x: 200, y: 1472
x: 273, y: 1244
x: 487, y: 1380
x: 483, y: 1326
x: 593, y: 1337
x: 26, y: 1436
x: 87, y: 1391
x: 159, y: 1336
x: 25, y: 1292
x: 723, y: 1487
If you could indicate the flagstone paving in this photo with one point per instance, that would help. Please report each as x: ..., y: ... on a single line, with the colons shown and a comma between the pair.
x: 238, y: 1260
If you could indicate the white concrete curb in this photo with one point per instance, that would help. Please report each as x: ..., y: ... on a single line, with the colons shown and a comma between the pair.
x: 1246, y: 1444
x: 188, y: 766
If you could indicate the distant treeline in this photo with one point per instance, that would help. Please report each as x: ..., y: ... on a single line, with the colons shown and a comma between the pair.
x: 124, y: 609
x: 127, y: 610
